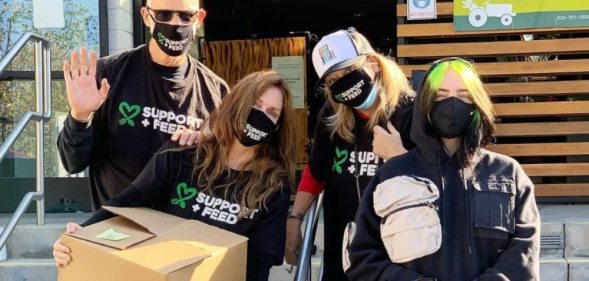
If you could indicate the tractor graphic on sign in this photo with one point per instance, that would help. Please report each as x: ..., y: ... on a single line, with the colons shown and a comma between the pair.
x: 479, y: 14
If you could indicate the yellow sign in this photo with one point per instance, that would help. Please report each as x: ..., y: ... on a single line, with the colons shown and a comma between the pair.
x: 519, y: 14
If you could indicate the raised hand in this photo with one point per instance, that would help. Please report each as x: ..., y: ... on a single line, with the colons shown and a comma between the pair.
x: 387, y: 142
x: 83, y: 96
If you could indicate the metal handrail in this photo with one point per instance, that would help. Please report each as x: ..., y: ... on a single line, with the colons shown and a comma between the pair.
x: 42, y: 114
x: 311, y: 221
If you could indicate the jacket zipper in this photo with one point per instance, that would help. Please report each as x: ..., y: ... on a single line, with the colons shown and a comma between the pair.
x: 422, y: 204
x: 427, y: 183
x: 468, y: 217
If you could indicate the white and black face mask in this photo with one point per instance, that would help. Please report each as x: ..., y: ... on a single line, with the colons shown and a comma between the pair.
x: 451, y: 116
x: 259, y: 128
x: 353, y: 89
x: 174, y: 40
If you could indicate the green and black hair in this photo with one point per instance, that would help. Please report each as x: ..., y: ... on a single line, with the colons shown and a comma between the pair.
x: 482, y: 127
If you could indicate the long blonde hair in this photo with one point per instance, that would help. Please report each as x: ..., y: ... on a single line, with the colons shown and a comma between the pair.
x: 272, y: 162
x: 392, y: 86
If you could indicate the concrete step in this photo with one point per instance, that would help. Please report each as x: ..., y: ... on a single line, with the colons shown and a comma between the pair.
x: 553, y: 269
x: 50, y: 218
x: 29, y: 247
x: 578, y: 269
x: 575, y: 228
x: 33, y: 242
x: 553, y: 230
x: 576, y: 239
x: 28, y: 270
x: 29, y: 241
x: 45, y: 270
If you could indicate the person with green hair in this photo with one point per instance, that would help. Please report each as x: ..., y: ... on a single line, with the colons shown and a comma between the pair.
x: 448, y: 209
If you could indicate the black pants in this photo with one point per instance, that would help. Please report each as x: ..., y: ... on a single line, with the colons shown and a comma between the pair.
x: 332, y: 257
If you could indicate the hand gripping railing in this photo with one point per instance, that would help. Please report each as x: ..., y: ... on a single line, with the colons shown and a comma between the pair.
x: 303, y: 269
x: 43, y: 113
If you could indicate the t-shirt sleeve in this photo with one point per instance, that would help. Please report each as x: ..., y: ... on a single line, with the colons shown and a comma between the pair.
x: 269, y: 234
x: 309, y: 183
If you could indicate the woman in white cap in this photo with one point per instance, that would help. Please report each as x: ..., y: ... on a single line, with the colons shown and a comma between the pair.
x: 365, y: 121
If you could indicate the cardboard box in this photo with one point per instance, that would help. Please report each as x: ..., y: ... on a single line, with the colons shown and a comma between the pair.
x: 158, y: 247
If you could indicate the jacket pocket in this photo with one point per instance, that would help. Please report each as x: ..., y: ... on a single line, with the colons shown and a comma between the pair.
x: 410, y: 226
x: 495, y: 205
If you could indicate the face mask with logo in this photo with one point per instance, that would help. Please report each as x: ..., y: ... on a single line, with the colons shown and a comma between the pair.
x: 355, y: 89
x: 174, y: 40
x: 258, y: 129
x: 451, y: 117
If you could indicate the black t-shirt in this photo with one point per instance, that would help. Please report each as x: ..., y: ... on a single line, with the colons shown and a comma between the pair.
x: 145, y: 105
x: 337, y: 162
x: 168, y: 184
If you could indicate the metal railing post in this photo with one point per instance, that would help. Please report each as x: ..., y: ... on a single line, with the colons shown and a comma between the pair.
x: 40, y: 126
x: 302, y: 272
x: 42, y: 114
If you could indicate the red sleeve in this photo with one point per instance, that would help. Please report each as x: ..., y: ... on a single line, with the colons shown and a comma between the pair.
x: 309, y: 183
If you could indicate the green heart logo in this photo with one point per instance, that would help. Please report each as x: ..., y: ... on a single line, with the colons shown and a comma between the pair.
x: 185, y: 193
x: 161, y: 38
x: 341, y: 156
x: 129, y: 112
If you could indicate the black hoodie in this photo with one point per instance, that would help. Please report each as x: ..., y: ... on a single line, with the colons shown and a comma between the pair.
x: 489, y: 219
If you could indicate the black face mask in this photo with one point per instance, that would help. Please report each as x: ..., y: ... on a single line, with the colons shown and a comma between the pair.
x: 174, y: 40
x: 258, y: 129
x: 353, y: 88
x: 450, y: 117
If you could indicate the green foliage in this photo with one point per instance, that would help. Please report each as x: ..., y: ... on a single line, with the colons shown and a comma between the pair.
x: 18, y: 97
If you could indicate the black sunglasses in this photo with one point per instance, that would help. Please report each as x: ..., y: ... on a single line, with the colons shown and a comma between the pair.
x: 168, y: 15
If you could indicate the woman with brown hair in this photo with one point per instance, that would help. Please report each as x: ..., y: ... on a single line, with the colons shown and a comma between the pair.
x: 449, y: 210
x: 244, y: 160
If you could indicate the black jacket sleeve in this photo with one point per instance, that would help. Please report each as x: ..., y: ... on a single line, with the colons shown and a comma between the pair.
x: 149, y: 189
x: 130, y: 197
x: 401, y: 120
x: 75, y: 144
x: 521, y: 258
x: 154, y: 181
x: 369, y: 260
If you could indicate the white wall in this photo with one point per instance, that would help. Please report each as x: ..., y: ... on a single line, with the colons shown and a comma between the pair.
x: 120, y: 25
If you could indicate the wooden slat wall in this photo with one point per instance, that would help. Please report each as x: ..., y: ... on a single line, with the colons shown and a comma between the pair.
x: 234, y: 59
x: 542, y: 106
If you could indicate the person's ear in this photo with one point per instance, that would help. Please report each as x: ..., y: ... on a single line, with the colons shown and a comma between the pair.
x: 373, y: 63
x: 147, y: 20
x: 200, y: 17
